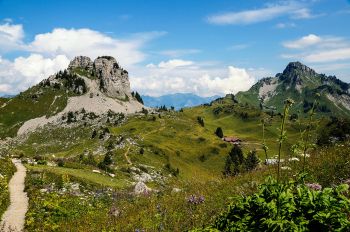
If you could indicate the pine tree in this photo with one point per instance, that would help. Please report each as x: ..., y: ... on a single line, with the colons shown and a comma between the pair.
x: 219, y: 132
x: 251, y: 161
x: 236, y: 155
x: 138, y: 97
x: 108, y: 158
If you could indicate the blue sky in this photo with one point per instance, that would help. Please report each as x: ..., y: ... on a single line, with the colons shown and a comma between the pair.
x: 200, y: 46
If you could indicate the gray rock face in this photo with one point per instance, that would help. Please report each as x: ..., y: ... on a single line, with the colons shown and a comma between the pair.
x: 81, y: 62
x: 114, y: 81
x: 295, y: 72
x: 141, y: 188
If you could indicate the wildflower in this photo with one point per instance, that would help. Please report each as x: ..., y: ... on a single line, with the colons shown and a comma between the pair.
x: 314, y: 186
x: 286, y: 168
x: 195, y: 200
x: 294, y: 159
x: 201, y: 199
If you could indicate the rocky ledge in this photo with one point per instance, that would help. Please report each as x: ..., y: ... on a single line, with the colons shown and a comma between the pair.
x: 113, y: 80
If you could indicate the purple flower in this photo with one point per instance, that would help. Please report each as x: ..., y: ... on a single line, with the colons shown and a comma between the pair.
x: 314, y: 186
x: 196, y: 200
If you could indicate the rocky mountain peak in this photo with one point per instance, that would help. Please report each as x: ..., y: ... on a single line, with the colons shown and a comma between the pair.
x: 295, y: 72
x: 81, y: 62
x: 114, y: 80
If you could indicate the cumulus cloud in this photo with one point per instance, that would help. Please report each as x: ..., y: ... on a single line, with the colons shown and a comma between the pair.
x: 170, y: 64
x: 10, y: 36
x: 193, y: 77
x: 37, y: 67
x: 292, y: 9
x: 50, y: 52
x: 303, y: 42
x: 73, y: 42
x: 316, y: 49
x: 27, y: 71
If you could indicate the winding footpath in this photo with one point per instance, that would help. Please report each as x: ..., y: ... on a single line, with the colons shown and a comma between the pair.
x: 13, y: 218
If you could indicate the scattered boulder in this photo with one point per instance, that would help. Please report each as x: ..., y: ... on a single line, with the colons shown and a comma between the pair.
x: 176, y: 190
x: 142, y: 189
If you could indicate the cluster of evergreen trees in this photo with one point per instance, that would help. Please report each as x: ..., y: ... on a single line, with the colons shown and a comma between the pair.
x: 236, y: 162
x: 137, y: 96
x: 73, y: 82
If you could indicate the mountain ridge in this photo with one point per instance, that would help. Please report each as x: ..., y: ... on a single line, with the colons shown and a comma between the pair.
x: 302, y: 84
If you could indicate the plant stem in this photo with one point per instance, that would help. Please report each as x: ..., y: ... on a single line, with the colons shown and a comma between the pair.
x: 288, y: 103
x: 306, y: 144
x: 264, y: 143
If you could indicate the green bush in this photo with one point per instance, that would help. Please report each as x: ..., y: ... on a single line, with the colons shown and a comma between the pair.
x: 291, y: 206
x: 219, y: 132
x: 7, y: 169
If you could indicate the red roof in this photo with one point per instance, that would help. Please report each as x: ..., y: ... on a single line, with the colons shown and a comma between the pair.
x: 231, y: 139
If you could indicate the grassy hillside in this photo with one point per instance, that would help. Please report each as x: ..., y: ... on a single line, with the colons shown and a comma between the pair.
x: 35, y: 102
x: 70, y: 180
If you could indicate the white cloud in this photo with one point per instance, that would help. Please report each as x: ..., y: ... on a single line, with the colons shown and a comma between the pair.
x: 292, y: 9
x: 179, y: 52
x: 193, y: 77
x: 23, y: 72
x: 328, y: 55
x: 74, y: 42
x: 318, y: 49
x: 285, y: 25
x: 37, y: 67
x: 5, y: 88
x: 51, y: 51
x: 303, y: 42
x: 170, y: 64
x: 10, y: 36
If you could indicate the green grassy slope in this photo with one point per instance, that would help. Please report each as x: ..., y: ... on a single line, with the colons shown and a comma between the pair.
x: 170, y: 141
x: 35, y: 102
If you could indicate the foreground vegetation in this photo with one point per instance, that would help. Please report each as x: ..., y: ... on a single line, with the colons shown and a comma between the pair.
x: 291, y: 206
x: 7, y: 169
x: 82, y: 177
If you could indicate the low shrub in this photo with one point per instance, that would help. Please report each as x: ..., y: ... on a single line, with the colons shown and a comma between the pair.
x: 291, y: 206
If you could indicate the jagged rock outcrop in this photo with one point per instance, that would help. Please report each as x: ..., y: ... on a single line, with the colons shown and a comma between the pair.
x: 81, y: 62
x: 114, y: 80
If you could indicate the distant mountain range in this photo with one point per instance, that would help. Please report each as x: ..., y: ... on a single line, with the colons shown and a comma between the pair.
x: 177, y: 100
x: 302, y: 84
